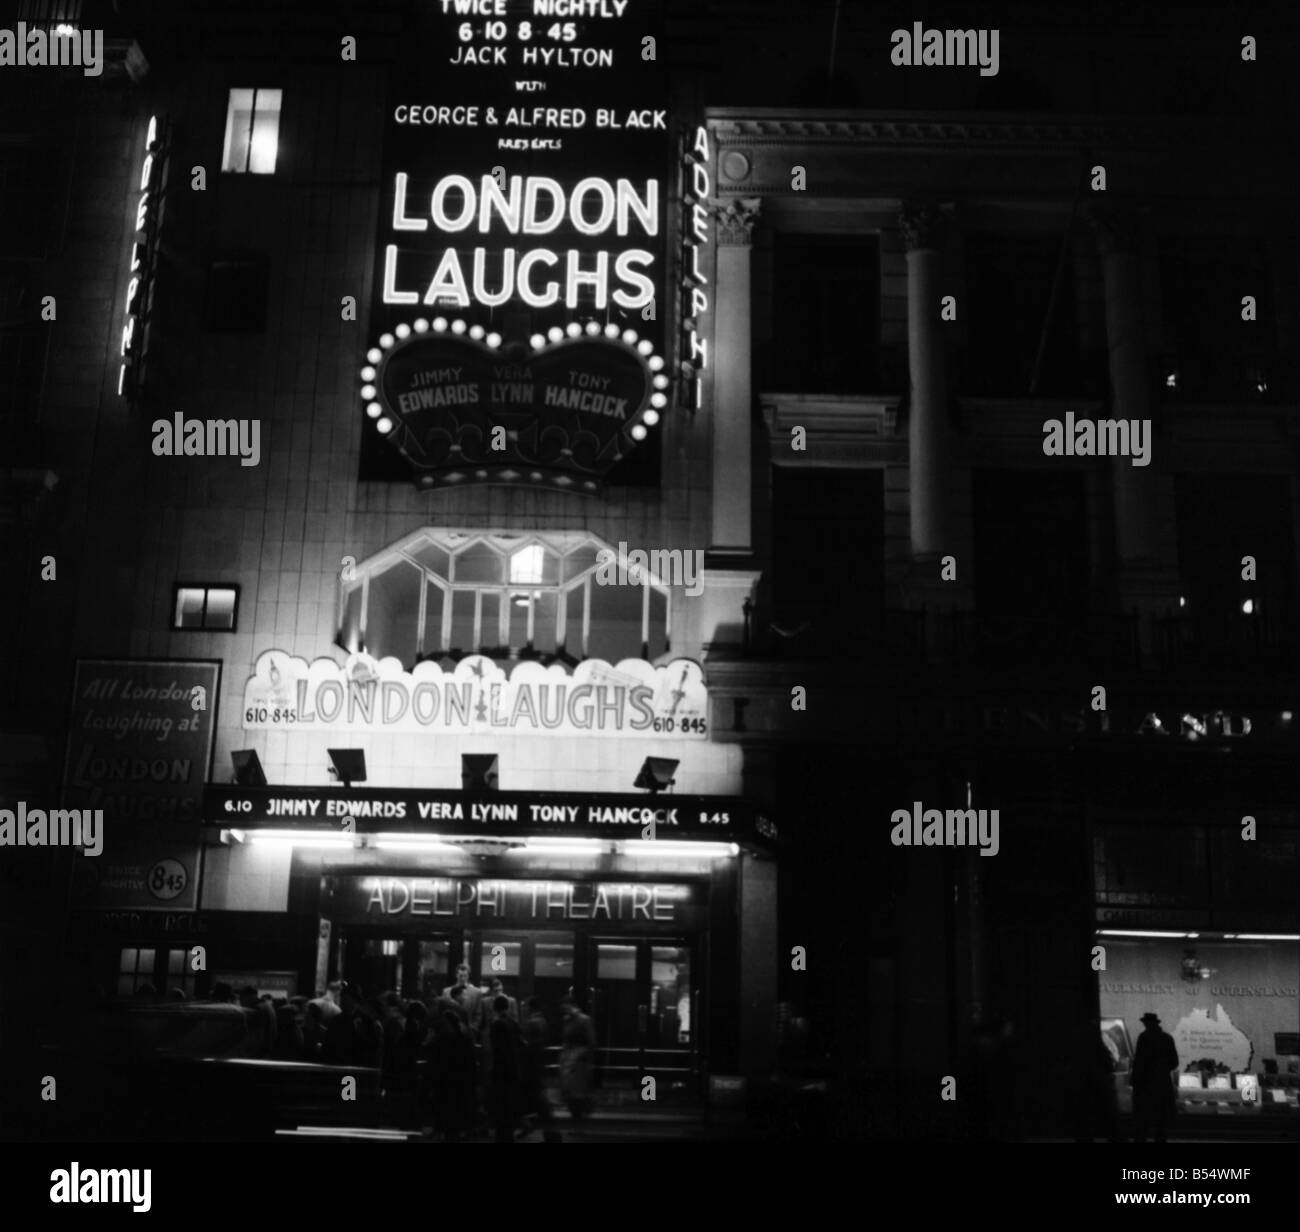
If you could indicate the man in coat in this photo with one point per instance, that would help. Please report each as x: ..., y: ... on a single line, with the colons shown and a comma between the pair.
x: 1151, y: 1079
x: 467, y: 999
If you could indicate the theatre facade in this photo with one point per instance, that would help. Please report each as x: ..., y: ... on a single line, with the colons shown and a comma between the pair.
x: 424, y: 680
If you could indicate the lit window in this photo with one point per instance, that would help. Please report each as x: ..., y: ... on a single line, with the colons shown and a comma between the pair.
x: 447, y: 594
x: 134, y: 971
x: 252, y: 131
x: 526, y: 564
x: 205, y: 607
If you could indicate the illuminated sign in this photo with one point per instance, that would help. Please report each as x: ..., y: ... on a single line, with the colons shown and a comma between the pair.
x: 532, y: 205
x: 423, y: 811
x: 697, y: 235
x: 398, y: 899
x: 563, y: 411
x: 524, y: 205
x: 137, y: 746
x: 476, y: 697
x: 144, y: 250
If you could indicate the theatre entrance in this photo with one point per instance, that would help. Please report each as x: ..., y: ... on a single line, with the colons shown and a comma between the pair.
x: 642, y: 992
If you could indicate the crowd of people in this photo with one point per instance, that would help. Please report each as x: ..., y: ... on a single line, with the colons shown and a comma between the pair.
x: 468, y: 1060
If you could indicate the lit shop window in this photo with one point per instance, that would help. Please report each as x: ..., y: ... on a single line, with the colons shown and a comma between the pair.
x: 134, y: 971
x: 446, y: 594
x: 205, y: 607
x: 159, y: 971
x: 252, y: 131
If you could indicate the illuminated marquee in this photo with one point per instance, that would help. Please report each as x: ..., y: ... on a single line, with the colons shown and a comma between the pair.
x: 476, y: 697
x: 563, y: 411
x: 695, y: 294
x: 143, y: 252
x: 515, y: 330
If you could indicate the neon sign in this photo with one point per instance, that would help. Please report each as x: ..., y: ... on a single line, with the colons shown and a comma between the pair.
x: 695, y: 295
x: 143, y: 252
x: 529, y: 205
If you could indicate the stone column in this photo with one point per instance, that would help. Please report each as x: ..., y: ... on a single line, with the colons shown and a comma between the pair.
x: 1148, y: 583
x: 927, y: 428
x: 1121, y: 263
x: 729, y: 575
x: 732, y: 408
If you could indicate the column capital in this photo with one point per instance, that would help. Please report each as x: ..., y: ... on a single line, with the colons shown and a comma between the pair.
x: 736, y: 218
x: 924, y: 225
x: 1116, y: 227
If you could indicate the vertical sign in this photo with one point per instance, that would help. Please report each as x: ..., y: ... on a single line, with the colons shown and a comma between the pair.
x: 144, y: 252
x: 696, y: 292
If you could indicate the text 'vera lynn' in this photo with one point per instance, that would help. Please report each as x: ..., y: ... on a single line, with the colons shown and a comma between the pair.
x: 946, y: 48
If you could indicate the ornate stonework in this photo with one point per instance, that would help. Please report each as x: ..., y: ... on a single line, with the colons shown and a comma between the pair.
x: 923, y: 224
x: 736, y: 218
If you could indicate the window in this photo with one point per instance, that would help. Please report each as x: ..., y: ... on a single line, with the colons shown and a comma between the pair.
x: 1009, y: 280
x: 160, y: 970
x: 447, y: 594
x: 1211, y: 351
x: 252, y: 131
x: 205, y: 607
x: 134, y: 971
x: 237, y: 290
x: 828, y: 531
x: 1032, y: 570
x: 826, y: 314
x: 1222, y: 518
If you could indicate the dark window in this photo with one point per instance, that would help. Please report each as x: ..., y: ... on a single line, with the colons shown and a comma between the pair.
x: 828, y: 549
x: 1008, y: 292
x: 1221, y: 519
x: 1031, y: 564
x: 1214, y: 354
x: 237, y: 292
x: 206, y: 607
x: 826, y: 314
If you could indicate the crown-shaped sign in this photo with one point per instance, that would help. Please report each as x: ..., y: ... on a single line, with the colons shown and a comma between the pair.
x: 560, y: 411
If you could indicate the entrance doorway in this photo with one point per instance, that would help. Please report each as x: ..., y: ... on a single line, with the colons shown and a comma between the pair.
x: 642, y: 992
x: 644, y: 1004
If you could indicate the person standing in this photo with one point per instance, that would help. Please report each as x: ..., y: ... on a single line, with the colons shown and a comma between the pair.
x: 504, y: 1078
x: 577, y: 1059
x: 1154, y: 1059
x: 536, y: 1104
x: 467, y: 999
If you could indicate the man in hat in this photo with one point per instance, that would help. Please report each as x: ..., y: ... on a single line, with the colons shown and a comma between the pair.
x: 1151, y: 1078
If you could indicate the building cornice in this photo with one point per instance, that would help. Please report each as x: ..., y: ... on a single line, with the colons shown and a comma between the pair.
x: 900, y: 129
